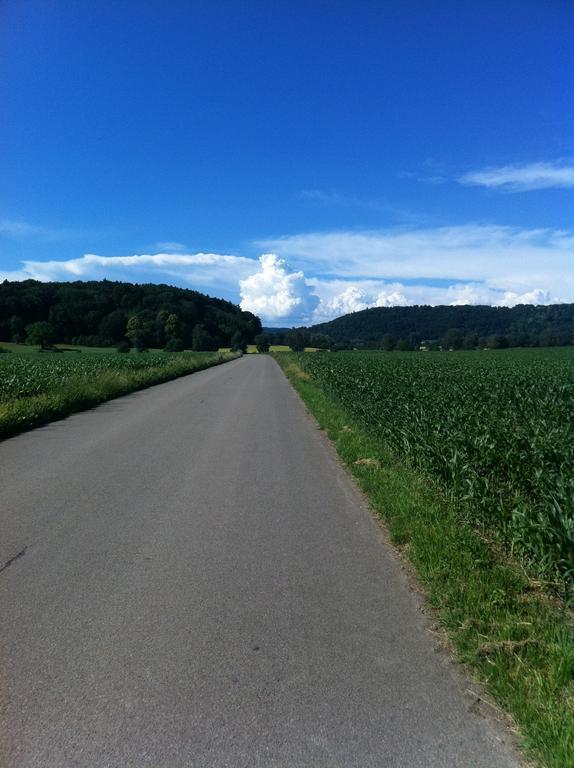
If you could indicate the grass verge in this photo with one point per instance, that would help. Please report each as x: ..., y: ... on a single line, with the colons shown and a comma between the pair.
x: 23, y: 413
x: 517, y: 640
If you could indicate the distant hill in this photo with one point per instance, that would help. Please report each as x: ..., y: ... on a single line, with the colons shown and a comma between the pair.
x: 523, y: 325
x: 97, y: 313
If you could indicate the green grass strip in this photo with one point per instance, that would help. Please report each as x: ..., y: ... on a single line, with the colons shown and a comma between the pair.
x: 20, y: 414
x: 517, y: 640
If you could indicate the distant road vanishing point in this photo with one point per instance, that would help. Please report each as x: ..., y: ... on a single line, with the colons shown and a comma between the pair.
x: 191, y: 579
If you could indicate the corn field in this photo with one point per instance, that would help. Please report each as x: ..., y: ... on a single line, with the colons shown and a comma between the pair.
x: 495, y: 430
x: 36, y: 389
x: 27, y: 376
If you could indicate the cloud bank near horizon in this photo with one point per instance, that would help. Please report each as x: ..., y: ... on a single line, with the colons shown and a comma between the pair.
x: 313, y: 277
x: 205, y: 270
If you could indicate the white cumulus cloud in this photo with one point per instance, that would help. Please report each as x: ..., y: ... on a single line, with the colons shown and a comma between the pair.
x: 536, y: 296
x: 352, y: 299
x: 337, y: 300
x: 480, y: 293
x: 391, y: 299
x: 498, y: 257
x: 521, y: 178
x: 276, y: 293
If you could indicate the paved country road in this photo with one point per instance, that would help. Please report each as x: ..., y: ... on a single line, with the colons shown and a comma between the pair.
x: 190, y: 579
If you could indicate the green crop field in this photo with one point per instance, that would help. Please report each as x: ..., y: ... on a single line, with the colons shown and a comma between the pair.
x: 36, y: 388
x: 468, y: 458
x: 495, y: 430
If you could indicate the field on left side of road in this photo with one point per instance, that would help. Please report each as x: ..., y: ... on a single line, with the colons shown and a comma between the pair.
x: 35, y: 389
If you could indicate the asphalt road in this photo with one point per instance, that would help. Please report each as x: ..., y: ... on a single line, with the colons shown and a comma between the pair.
x: 190, y: 579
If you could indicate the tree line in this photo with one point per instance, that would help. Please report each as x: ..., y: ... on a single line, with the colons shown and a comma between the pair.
x: 444, y: 327
x: 108, y: 313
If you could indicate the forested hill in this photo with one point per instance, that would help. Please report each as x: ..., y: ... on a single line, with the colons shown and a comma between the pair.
x: 102, y: 313
x: 523, y: 325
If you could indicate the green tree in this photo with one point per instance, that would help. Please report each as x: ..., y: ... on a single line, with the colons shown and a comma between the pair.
x: 404, y: 345
x: 201, y: 339
x: 251, y: 324
x: 139, y: 340
x: 238, y: 343
x: 41, y: 333
x: 319, y: 341
x: 17, y: 332
x: 92, y: 320
x: 387, y: 342
x: 497, y: 341
x: 112, y: 327
x: 171, y: 326
x: 161, y: 317
x: 174, y: 345
x: 263, y: 342
x: 134, y: 324
x: 136, y: 333
x: 296, y: 339
x: 453, y: 339
x: 470, y: 341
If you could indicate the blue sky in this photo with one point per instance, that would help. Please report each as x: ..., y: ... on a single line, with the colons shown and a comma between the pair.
x: 306, y: 159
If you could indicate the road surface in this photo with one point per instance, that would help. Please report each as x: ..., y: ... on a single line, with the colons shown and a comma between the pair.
x: 190, y: 579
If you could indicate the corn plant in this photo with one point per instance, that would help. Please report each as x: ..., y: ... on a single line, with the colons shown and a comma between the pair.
x: 494, y: 429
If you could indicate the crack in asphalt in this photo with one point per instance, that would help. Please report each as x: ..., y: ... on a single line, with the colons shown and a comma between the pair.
x: 9, y: 562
